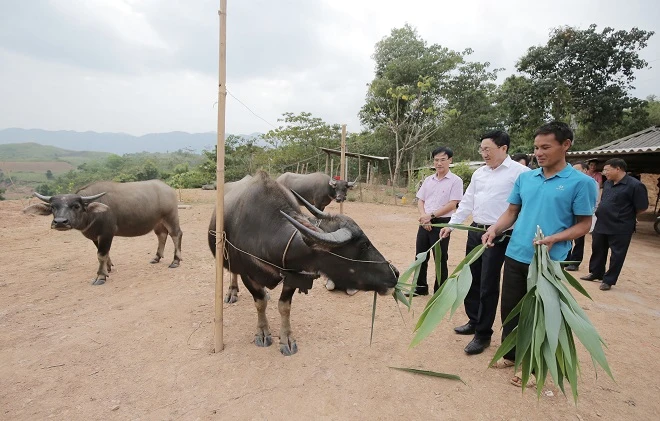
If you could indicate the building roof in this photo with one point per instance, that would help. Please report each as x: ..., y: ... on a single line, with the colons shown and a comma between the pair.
x: 647, y: 140
x: 640, y: 150
x: 354, y: 155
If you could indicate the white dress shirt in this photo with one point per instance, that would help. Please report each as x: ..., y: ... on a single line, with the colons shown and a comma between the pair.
x: 486, y: 198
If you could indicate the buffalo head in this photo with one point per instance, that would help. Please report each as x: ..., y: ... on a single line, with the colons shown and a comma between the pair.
x: 341, y: 188
x: 70, y: 211
x: 346, y: 256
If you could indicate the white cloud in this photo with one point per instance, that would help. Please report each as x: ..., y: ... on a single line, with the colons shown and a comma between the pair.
x: 142, y: 66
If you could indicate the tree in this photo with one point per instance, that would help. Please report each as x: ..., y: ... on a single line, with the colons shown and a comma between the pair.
x: 586, y: 74
x: 405, y: 97
x: 49, y: 175
x: 298, y: 141
x: 469, y: 110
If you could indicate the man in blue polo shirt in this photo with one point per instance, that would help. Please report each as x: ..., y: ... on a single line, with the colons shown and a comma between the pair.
x: 556, y: 197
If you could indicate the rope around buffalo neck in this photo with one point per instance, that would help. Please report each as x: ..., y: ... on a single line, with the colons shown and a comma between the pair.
x: 224, y: 238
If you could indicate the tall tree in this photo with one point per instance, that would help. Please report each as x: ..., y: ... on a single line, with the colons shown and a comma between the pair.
x: 587, y: 74
x: 405, y: 96
x: 469, y: 110
x: 298, y: 141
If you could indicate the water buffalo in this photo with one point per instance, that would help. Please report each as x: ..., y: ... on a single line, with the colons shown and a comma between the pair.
x: 270, y: 241
x: 317, y: 188
x: 106, y: 209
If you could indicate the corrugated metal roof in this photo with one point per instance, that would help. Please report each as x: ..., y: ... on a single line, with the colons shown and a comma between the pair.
x: 645, y: 141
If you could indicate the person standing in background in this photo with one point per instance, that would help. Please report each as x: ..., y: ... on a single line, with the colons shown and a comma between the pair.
x: 577, y: 252
x: 437, y: 200
x: 624, y: 198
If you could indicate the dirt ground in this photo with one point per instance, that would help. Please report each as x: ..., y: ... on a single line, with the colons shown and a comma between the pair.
x: 140, y: 346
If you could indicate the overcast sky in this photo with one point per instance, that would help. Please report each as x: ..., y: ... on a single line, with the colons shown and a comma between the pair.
x: 144, y: 66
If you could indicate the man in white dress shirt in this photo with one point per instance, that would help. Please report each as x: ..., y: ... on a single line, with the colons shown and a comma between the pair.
x: 486, y: 199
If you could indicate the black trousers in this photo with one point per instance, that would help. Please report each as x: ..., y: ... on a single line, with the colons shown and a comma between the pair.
x: 577, y: 253
x: 425, y: 239
x: 600, y: 243
x: 481, y: 300
x: 514, y: 288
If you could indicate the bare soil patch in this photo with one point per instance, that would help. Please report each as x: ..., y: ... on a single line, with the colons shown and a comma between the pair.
x: 139, y: 347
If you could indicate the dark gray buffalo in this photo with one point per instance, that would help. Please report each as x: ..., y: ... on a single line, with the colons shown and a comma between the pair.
x: 317, y: 188
x: 106, y: 209
x: 270, y: 241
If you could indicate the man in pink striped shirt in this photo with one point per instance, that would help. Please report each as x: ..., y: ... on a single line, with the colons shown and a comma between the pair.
x: 438, y: 197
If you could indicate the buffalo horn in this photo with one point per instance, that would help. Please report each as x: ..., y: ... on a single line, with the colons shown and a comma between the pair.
x: 44, y: 198
x: 332, y: 239
x: 91, y: 198
x: 313, y: 209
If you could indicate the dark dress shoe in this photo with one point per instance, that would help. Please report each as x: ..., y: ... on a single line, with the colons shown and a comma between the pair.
x: 422, y: 290
x: 477, y: 346
x: 466, y: 329
x: 572, y: 268
x: 591, y: 277
x: 605, y: 287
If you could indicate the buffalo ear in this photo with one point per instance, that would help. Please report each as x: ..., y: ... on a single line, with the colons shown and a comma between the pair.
x: 96, y: 207
x: 38, y: 209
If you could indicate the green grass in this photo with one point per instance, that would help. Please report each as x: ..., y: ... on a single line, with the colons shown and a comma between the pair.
x: 37, y: 152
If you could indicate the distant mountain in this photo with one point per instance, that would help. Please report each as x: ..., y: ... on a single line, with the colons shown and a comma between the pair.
x: 117, y: 143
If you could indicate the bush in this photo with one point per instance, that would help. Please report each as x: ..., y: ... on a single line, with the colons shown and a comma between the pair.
x: 2, y: 191
x: 463, y: 170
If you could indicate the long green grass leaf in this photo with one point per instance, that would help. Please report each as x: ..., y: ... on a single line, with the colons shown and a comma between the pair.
x: 550, y: 299
x: 435, y: 313
x: 429, y: 373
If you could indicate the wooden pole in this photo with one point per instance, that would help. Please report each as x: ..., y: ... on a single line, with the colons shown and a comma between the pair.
x: 360, y: 176
x: 220, y: 179
x: 332, y: 167
x: 342, y: 161
x: 327, y: 162
x: 392, y: 180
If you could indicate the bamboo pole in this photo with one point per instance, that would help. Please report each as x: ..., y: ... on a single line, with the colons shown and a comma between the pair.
x: 342, y: 162
x: 220, y: 179
x: 360, y: 177
x: 327, y: 162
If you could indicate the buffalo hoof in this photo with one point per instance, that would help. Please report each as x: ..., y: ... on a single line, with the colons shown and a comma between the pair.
x: 231, y: 297
x: 330, y: 285
x: 351, y: 291
x: 155, y: 260
x: 262, y: 340
x: 98, y: 281
x: 174, y: 265
x: 289, y: 348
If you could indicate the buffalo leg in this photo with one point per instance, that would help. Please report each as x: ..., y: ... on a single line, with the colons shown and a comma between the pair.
x: 177, y: 235
x: 108, y: 261
x: 161, y: 233
x: 232, y: 291
x: 262, y: 336
x: 103, y: 255
x: 288, y: 345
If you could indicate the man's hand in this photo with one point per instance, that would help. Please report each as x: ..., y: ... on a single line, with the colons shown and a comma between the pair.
x: 425, y: 219
x: 445, y: 231
x: 489, y: 237
x: 549, y: 241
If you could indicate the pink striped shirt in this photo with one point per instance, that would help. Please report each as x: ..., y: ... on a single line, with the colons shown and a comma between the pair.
x: 436, y: 193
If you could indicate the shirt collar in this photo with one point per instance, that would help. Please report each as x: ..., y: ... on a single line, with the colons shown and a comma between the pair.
x: 506, y: 163
x: 435, y: 176
x: 568, y: 170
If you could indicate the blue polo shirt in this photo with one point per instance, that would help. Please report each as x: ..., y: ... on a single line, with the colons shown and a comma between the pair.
x: 552, y: 203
